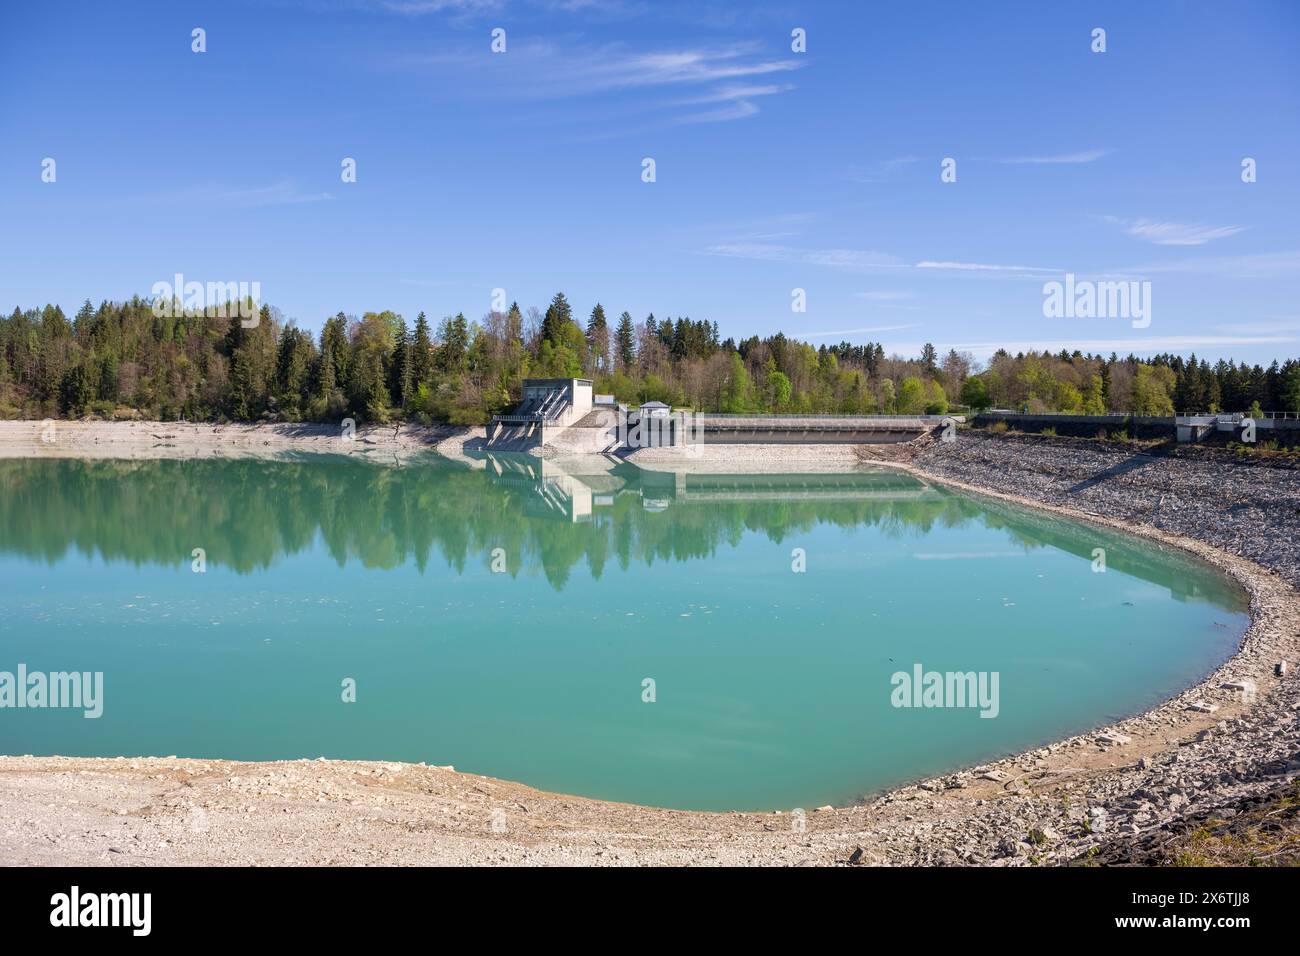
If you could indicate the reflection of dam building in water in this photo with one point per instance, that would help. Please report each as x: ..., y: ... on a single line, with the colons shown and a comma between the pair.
x: 552, y: 490
x: 548, y: 492
x: 562, y: 414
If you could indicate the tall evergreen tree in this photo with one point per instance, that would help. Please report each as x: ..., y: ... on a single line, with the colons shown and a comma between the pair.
x: 454, y: 334
x: 558, y: 316
x: 421, y: 352
x: 401, y: 376
x: 598, y: 339
x: 929, y: 358
x: 334, y: 340
x: 624, y: 342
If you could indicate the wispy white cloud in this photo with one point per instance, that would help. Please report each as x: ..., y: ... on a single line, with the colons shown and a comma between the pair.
x: 734, y: 77
x: 1164, y: 233
x: 852, y: 259
x: 617, y: 70
x: 1280, y: 327
x: 883, y: 171
x: 1258, y: 265
x: 215, y: 195
x: 982, y: 267
x: 883, y: 296
x: 277, y: 194
x: 862, y: 260
x: 737, y: 110
x: 420, y: 8
x: 887, y: 170
x: 1255, y: 265
x: 869, y: 330
x: 738, y: 100
x: 1084, y: 156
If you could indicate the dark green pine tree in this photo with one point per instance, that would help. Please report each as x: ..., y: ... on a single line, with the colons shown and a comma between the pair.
x: 334, y: 338
x: 1213, y: 396
x: 54, y: 323
x: 625, y: 342
x: 293, y: 369
x: 421, y: 353
x: 401, y: 374
x: 558, y: 315
x: 368, y: 388
x: 455, y: 343
x: 325, y: 383
x: 598, y: 338
x: 929, y: 358
x: 241, y: 401
x: 85, y: 317
x: 108, y: 378
x: 80, y: 386
x: 514, y: 326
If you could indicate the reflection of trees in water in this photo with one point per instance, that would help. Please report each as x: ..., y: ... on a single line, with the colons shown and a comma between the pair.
x: 247, y: 514
x: 1184, y: 576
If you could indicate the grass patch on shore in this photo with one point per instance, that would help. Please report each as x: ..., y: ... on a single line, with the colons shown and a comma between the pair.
x: 1264, y: 832
x: 1268, y: 448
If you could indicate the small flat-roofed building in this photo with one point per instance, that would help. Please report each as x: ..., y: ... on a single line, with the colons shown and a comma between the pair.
x: 549, y: 406
x: 571, y: 395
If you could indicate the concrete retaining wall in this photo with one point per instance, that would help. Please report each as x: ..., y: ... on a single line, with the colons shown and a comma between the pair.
x: 1284, y: 431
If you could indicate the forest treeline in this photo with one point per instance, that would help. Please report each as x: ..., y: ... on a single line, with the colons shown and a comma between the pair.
x: 123, y: 360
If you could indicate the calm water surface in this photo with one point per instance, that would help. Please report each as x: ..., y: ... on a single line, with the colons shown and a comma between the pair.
x: 773, y: 688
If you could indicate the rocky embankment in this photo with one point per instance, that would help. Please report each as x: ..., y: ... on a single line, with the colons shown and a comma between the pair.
x: 1241, y: 515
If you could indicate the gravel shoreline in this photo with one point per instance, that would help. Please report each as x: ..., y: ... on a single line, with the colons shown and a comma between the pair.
x: 150, y: 440
x: 1050, y: 805
x: 1172, y: 761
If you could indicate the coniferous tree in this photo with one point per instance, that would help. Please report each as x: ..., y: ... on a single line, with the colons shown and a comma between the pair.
x: 334, y: 339
x: 598, y: 339
x: 625, y: 345
x: 558, y: 316
x: 401, y: 375
x: 421, y: 352
x: 929, y: 358
x: 454, y: 335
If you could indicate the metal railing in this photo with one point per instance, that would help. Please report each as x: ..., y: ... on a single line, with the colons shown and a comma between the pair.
x: 792, y: 417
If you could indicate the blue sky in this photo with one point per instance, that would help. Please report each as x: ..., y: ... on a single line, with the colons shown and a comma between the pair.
x: 775, y: 170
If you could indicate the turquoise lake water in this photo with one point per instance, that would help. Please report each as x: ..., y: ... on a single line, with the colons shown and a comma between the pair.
x: 772, y: 687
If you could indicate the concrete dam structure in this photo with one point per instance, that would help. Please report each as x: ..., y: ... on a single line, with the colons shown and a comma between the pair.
x: 564, y: 416
x: 816, y: 429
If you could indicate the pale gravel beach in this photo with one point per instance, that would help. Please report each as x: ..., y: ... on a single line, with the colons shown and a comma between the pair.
x: 149, y: 440
x: 1042, y: 806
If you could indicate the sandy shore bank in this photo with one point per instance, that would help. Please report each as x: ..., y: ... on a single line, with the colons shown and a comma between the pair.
x: 1048, y: 805
x: 146, y: 440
